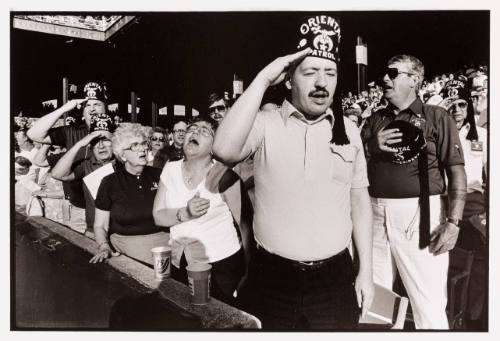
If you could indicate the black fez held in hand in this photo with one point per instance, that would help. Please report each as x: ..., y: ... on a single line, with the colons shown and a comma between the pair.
x: 411, y: 147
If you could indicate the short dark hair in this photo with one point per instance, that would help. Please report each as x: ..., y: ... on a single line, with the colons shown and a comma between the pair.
x: 215, y: 97
x: 159, y: 130
x: 177, y: 121
x: 339, y: 135
x: 23, y: 161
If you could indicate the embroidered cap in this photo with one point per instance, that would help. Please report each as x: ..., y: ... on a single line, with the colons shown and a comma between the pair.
x: 412, y: 142
x: 94, y: 90
x: 101, y: 122
x: 455, y: 90
x: 322, y: 34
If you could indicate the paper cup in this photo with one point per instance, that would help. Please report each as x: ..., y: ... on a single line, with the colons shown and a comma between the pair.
x: 199, y: 282
x: 161, y: 261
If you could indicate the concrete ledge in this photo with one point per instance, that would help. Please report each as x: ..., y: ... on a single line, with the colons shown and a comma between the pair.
x: 214, y: 315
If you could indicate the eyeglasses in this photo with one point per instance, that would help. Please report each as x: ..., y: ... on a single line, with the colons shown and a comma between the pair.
x: 179, y: 131
x: 393, y: 72
x: 160, y: 139
x: 203, y: 130
x: 136, y: 146
x: 217, y: 108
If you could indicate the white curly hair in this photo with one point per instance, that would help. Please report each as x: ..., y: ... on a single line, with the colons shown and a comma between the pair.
x: 123, y: 133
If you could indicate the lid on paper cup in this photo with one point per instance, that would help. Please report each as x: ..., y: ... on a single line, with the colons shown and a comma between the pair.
x: 159, y: 249
x: 198, y: 267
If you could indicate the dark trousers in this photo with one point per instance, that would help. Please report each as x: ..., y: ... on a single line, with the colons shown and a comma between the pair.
x: 470, y: 238
x: 286, y: 297
x: 224, y: 276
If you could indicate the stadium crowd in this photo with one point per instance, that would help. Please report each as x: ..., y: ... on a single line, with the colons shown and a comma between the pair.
x: 221, y: 189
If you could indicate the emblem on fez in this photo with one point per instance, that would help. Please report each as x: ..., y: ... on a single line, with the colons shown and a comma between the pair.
x: 91, y: 89
x: 91, y: 93
x: 322, y: 41
x: 102, y: 125
x: 452, y: 92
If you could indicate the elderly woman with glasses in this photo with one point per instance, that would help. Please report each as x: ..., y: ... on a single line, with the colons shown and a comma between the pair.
x: 157, y: 154
x: 125, y: 199
x: 208, y: 212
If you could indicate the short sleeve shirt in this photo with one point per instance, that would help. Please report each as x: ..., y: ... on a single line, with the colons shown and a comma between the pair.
x: 303, y: 183
x: 208, y: 238
x: 391, y: 180
x: 129, y: 199
x: 83, y: 169
x: 475, y: 155
x: 67, y: 136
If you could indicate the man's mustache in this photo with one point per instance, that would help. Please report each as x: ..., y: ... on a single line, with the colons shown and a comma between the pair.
x: 319, y: 92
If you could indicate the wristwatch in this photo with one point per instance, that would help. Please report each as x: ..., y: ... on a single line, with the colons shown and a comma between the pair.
x: 453, y: 221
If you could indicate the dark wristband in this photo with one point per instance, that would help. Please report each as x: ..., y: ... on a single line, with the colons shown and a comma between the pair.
x: 453, y: 221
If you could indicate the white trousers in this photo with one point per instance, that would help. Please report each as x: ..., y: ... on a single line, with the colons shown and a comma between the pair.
x: 395, y: 247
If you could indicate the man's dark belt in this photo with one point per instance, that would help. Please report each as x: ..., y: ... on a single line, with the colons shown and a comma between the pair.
x: 302, y: 265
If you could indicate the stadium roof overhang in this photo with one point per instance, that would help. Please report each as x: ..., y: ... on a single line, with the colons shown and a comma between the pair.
x: 94, y: 27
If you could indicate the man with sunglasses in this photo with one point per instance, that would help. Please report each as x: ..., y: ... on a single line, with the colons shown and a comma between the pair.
x: 473, y: 233
x: 174, y: 151
x: 217, y: 107
x: 409, y: 233
x: 310, y: 190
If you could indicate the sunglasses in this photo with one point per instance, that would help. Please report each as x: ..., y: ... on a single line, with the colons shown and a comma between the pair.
x: 461, y: 105
x: 393, y: 72
x: 179, y: 131
x: 160, y: 139
x: 217, y: 108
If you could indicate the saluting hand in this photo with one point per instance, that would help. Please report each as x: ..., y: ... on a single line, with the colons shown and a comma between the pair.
x: 87, y: 139
x: 275, y: 72
x: 74, y: 103
x: 197, y: 206
x: 387, y: 137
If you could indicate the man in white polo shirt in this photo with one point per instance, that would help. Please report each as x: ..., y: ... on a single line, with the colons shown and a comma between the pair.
x: 310, y: 190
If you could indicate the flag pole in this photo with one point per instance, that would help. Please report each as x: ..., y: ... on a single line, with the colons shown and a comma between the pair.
x: 65, y: 96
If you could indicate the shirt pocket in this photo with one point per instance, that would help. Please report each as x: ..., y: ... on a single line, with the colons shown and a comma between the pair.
x: 342, y: 162
x: 476, y: 154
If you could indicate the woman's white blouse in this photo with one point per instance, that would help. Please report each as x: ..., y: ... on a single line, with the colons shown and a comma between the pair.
x: 208, y: 238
